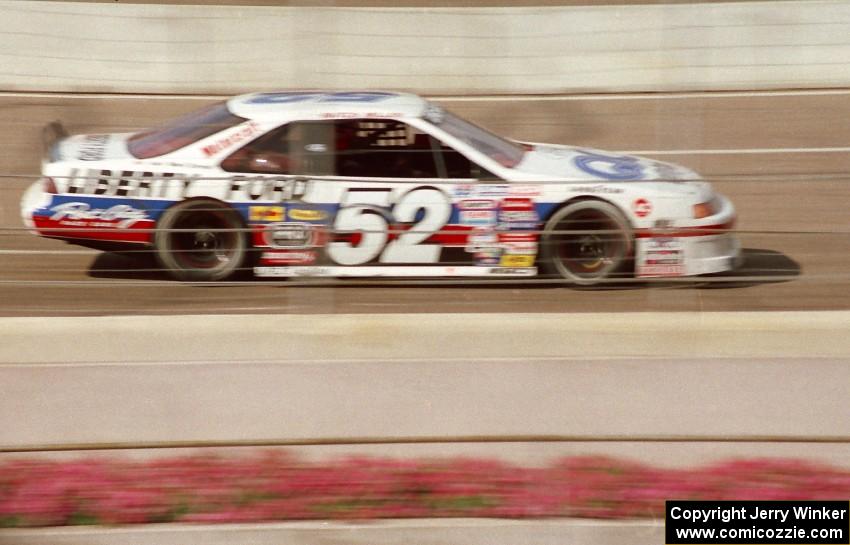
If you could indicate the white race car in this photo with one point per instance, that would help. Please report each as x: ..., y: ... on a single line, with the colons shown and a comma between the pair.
x: 373, y: 184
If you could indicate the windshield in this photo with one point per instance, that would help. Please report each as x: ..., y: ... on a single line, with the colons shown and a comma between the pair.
x: 506, y: 153
x: 183, y: 131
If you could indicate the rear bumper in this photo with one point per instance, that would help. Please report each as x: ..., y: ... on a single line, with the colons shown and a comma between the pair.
x: 85, y: 219
x: 34, y: 198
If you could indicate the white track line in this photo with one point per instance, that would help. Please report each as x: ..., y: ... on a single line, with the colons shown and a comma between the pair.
x: 49, y: 252
x: 388, y: 360
x: 482, y: 98
x: 741, y: 151
x: 644, y: 96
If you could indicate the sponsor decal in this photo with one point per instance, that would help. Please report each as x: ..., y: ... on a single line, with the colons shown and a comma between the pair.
x: 518, y: 219
x: 524, y: 190
x: 402, y: 270
x: 516, y: 203
x: 237, y: 136
x: 477, y: 217
x: 293, y: 97
x: 477, y: 212
x: 488, y: 257
x: 463, y: 190
x: 518, y: 213
x: 663, y: 243
x: 477, y: 204
x: 528, y: 271
x: 80, y: 214
x: 520, y: 248
x: 314, y: 271
x: 302, y: 214
x: 642, y: 207
x: 126, y: 183
x: 93, y: 147
x: 294, y: 271
x: 609, y: 167
x: 123, y: 183
x: 600, y: 188
x: 509, y: 238
x: 289, y: 235
x: 662, y: 257
x: 484, y: 245
x: 260, y: 188
x: 517, y: 261
x: 480, y: 240
x: 289, y: 257
x: 266, y: 213
x: 173, y: 186
x: 483, y: 190
x: 357, y: 115
x: 658, y: 271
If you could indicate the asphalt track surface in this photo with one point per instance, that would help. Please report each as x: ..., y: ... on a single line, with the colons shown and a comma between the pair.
x: 783, y: 158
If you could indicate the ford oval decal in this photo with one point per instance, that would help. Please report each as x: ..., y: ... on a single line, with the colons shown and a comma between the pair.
x: 610, y: 167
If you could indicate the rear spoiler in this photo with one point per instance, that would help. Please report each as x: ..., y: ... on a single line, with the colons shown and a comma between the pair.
x: 50, y: 134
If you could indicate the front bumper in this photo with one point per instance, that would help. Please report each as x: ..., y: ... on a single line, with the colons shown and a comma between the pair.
x: 708, y: 246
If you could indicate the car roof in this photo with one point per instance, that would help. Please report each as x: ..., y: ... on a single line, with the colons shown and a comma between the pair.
x: 260, y: 106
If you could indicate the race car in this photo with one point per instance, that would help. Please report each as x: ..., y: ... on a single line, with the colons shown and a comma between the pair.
x: 363, y: 184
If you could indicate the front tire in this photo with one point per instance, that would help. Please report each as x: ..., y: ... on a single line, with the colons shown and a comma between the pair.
x: 201, y: 240
x: 587, y: 242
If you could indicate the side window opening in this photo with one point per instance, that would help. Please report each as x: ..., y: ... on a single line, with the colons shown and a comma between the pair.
x: 458, y: 166
x: 268, y: 154
x: 392, y: 149
x: 356, y: 148
x: 295, y: 148
x: 383, y: 149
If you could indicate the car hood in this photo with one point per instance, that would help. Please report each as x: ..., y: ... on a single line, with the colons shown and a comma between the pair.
x: 571, y: 163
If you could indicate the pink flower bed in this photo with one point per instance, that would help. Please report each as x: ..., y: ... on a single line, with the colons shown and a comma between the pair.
x: 274, y: 486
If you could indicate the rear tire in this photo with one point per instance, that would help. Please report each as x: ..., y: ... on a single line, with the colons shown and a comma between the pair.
x: 201, y: 240
x: 586, y: 257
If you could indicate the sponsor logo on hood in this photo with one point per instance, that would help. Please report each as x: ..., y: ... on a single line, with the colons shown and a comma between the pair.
x: 610, y: 167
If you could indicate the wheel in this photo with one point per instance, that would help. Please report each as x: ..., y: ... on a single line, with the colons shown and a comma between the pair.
x: 586, y: 242
x: 200, y: 240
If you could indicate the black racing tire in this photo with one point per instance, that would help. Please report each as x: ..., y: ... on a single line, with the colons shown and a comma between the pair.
x: 587, y: 242
x: 201, y: 240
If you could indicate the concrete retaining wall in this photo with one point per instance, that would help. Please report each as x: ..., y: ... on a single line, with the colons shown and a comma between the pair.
x: 126, y: 47
x: 447, y: 378
x: 634, y: 399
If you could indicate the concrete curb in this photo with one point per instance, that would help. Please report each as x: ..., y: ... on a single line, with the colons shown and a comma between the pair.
x: 347, y: 337
x: 385, y: 532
